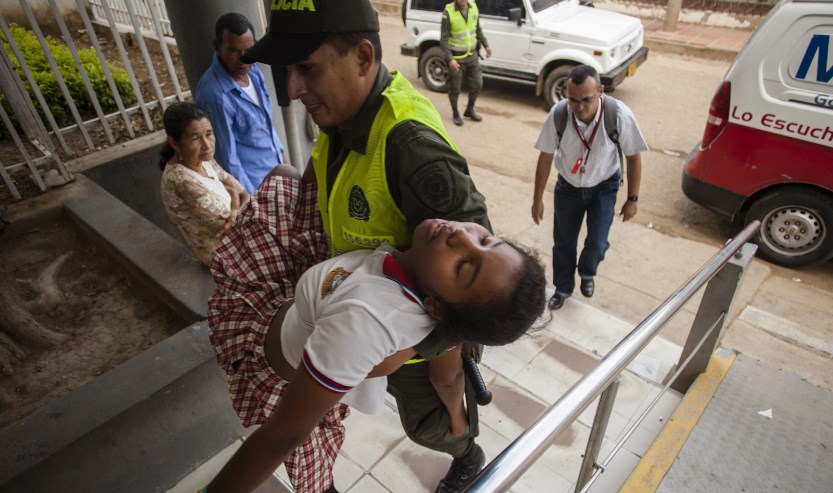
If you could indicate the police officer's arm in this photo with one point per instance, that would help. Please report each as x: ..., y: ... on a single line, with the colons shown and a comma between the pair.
x: 445, y: 34
x: 428, y: 179
x: 481, y: 38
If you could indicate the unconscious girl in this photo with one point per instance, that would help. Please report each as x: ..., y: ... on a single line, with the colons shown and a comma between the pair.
x: 294, y: 365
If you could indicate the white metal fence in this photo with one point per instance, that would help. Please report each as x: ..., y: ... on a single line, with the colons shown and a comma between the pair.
x: 60, y: 99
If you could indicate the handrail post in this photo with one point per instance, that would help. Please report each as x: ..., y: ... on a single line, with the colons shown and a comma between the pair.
x: 597, y: 432
x: 717, y: 301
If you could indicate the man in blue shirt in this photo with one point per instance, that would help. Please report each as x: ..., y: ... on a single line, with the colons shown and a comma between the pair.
x: 234, y: 95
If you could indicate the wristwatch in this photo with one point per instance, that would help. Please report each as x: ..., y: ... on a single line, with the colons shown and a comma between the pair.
x: 633, y: 198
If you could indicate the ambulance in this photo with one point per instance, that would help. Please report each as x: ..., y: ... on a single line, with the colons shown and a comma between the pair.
x: 767, y: 150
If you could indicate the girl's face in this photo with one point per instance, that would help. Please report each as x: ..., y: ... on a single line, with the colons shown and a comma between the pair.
x: 196, y: 143
x: 462, y: 262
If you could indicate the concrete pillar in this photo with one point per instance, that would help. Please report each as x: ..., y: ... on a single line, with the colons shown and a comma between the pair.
x: 672, y: 15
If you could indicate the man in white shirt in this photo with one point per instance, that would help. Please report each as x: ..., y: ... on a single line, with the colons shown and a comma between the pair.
x: 589, y: 168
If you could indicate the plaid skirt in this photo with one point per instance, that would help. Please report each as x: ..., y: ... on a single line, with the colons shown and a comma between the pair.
x: 274, y: 240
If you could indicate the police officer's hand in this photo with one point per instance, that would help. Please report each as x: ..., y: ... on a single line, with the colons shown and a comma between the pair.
x: 537, y: 211
x: 628, y: 210
x: 488, y: 52
x: 454, y: 65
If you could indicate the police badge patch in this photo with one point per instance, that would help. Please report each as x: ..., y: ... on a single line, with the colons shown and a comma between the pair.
x: 358, y: 207
x: 433, y: 184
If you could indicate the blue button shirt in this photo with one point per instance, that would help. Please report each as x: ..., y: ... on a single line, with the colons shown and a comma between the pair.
x: 246, y: 142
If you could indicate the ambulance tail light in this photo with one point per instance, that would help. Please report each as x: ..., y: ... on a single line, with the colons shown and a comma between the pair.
x: 718, y: 114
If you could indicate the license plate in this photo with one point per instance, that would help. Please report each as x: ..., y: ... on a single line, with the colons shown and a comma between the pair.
x: 632, y: 69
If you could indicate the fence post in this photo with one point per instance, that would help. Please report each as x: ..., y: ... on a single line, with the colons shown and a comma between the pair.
x: 672, y: 15
x: 714, y: 309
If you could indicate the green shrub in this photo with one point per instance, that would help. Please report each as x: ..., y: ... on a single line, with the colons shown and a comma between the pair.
x: 36, y: 60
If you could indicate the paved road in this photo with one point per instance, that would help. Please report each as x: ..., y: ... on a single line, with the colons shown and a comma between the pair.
x: 784, y: 317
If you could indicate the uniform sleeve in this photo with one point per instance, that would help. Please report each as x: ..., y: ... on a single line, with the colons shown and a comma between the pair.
x: 548, y: 138
x: 480, y: 36
x: 429, y: 179
x: 445, y: 34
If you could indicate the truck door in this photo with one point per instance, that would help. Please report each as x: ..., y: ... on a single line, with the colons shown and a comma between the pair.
x: 508, y: 40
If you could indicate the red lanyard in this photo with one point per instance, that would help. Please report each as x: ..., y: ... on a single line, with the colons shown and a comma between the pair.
x: 587, y: 143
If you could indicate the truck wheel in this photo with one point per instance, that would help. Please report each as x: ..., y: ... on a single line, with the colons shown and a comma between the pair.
x: 796, y: 226
x: 434, y: 69
x: 555, y: 85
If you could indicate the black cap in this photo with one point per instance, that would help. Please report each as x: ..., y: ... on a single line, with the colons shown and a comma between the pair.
x: 298, y: 27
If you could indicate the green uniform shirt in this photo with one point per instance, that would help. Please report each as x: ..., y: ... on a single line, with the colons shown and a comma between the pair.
x: 445, y: 34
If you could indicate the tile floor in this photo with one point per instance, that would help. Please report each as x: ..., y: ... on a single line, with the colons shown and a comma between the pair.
x: 524, y: 378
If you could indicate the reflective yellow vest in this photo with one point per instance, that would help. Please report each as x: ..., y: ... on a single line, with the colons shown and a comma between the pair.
x: 463, y: 33
x: 359, y: 211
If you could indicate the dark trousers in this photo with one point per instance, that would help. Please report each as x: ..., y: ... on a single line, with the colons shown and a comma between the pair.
x: 571, y: 205
x: 423, y: 414
x: 470, y: 69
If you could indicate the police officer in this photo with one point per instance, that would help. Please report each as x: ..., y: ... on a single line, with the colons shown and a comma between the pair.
x: 460, y: 39
x: 383, y: 163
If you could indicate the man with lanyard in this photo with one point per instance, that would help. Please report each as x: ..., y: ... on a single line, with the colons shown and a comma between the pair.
x: 234, y: 95
x: 382, y: 164
x: 460, y: 37
x: 589, y: 176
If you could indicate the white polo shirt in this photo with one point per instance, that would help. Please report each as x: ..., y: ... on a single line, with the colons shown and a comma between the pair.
x: 350, y: 313
x: 602, y: 162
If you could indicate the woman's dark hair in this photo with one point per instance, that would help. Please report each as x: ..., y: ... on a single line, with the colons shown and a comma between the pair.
x: 496, y: 322
x: 344, y: 41
x: 176, y: 119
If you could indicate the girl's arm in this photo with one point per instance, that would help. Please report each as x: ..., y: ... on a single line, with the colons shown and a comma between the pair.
x: 447, y: 377
x: 298, y: 412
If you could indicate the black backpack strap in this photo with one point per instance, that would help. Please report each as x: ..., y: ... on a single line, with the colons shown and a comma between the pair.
x: 611, y: 120
x: 559, y: 117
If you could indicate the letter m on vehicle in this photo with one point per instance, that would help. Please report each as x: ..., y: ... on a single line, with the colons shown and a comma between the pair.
x: 818, y: 50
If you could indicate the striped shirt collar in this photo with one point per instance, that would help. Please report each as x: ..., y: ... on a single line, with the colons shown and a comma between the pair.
x: 393, y: 271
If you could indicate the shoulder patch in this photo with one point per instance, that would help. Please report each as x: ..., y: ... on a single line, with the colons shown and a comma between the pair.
x: 433, y: 185
x: 333, y: 281
x: 358, y: 208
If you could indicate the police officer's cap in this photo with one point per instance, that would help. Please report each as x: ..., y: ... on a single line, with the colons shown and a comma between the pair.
x: 298, y: 27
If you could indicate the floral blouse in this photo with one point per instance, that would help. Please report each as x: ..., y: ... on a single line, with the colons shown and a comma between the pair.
x: 195, y: 203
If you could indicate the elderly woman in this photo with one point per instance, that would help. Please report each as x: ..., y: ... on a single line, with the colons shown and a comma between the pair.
x: 201, y: 199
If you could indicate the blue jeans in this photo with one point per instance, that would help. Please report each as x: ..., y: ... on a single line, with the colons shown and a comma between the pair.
x: 571, y: 205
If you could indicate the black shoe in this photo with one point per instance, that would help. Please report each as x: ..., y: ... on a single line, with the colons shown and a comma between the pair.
x: 557, y: 301
x: 474, y: 116
x: 462, y: 471
x: 588, y: 287
x: 457, y: 120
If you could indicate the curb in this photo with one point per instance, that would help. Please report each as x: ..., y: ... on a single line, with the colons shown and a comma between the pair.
x: 684, y: 49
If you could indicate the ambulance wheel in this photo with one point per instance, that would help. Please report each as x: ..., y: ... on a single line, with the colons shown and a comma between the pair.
x: 796, y: 226
x: 434, y: 69
x: 555, y: 85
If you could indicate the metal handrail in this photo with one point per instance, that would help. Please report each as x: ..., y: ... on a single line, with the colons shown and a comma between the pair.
x: 509, y: 465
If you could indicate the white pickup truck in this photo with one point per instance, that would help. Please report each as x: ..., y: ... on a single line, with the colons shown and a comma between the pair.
x: 532, y: 41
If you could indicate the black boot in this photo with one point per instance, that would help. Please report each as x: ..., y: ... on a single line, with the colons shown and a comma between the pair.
x: 456, y: 114
x: 462, y: 471
x: 471, y: 114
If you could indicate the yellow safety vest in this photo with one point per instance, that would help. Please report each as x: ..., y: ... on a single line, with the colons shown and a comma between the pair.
x: 463, y: 33
x: 360, y: 211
